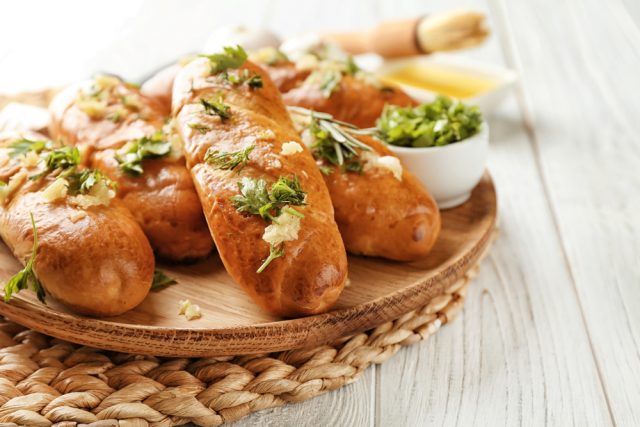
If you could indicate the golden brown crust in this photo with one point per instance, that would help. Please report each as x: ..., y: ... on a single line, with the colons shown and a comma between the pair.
x: 311, y: 275
x: 96, y: 261
x: 354, y: 101
x: 379, y: 215
x: 163, y: 200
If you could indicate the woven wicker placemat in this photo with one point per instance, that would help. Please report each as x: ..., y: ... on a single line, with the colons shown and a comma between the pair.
x: 46, y: 381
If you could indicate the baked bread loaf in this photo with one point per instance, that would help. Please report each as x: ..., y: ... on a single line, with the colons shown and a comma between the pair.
x: 122, y: 133
x: 267, y: 206
x: 90, y: 254
x: 381, y: 208
x: 332, y: 86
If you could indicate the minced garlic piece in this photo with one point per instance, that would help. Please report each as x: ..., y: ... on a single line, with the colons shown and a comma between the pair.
x: 104, y: 81
x: 56, y: 190
x: 14, y: 183
x: 390, y: 163
x: 291, y: 147
x: 307, y: 62
x: 100, y: 194
x: 132, y: 102
x: 31, y: 159
x: 92, y: 107
x: 77, y: 216
x: 190, y: 311
x: 393, y: 164
x: 283, y: 229
x: 267, y: 134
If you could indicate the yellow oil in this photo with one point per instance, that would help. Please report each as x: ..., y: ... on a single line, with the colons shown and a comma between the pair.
x: 441, y: 79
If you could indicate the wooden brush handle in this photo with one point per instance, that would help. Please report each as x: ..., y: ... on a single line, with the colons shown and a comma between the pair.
x: 389, y: 39
x: 438, y: 32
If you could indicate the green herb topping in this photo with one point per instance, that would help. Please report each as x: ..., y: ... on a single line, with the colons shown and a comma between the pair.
x: 26, y: 278
x: 148, y: 147
x: 351, y: 66
x: 274, y: 252
x: 255, y: 199
x: 233, y: 57
x: 270, y: 56
x: 203, y: 129
x: 216, y: 107
x: 441, y: 122
x: 333, y: 141
x: 229, y: 161
x: 161, y: 280
x: 23, y: 146
x: 254, y: 81
x: 83, y: 181
x: 65, y: 159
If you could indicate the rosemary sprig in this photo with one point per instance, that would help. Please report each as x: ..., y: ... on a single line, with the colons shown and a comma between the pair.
x: 333, y: 140
x: 201, y: 128
x: 216, y: 107
x: 229, y: 161
x: 26, y: 277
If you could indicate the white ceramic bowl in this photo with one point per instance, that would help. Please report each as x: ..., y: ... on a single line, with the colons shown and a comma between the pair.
x: 449, y: 172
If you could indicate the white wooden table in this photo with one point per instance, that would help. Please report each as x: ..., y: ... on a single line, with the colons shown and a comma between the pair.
x: 550, y: 333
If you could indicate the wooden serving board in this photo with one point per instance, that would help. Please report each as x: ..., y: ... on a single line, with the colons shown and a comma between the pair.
x: 379, y: 291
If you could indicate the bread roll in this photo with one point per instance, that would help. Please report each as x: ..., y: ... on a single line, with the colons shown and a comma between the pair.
x: 233, y: 133
x: 105, y: 117
x: 92, y: 256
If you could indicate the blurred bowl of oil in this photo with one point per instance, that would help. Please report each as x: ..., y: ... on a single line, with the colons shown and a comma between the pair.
x: 471, y: 81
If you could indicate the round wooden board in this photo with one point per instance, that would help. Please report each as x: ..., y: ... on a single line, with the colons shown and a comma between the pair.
x: 231, y: 324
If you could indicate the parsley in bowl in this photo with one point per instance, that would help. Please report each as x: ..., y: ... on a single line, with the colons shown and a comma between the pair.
x: 443, y: 143
x: 441, y: 122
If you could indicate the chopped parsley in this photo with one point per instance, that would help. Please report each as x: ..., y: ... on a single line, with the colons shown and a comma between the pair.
x: 23, y: 146
x: 83, y: 181
x: 148, y: 147
x: 254, y: 81
x: 26, y: 278
x: 232, y: 57
x: 161, y: 280
x: 274, y: 252
x: 256, y: 199
x: 65, y: 159
x: 351, y: 66
x: 216, y: 107
x: 229, y: 161
x: 441, y: 122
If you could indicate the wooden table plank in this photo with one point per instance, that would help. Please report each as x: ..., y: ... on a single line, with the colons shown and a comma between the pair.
x: 520, y: 355
x: 580, y: 65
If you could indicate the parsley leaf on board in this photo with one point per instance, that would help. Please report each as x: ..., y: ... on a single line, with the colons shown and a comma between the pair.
x: 161, y: 280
